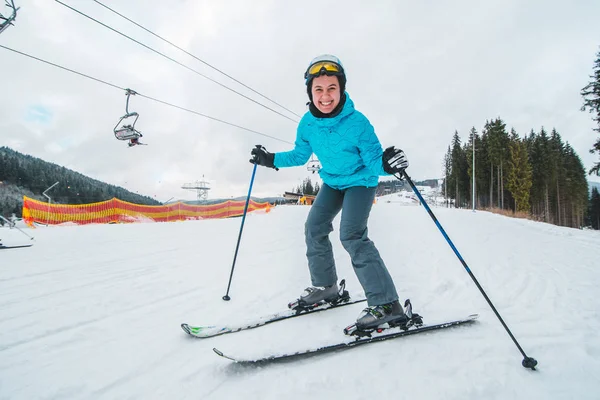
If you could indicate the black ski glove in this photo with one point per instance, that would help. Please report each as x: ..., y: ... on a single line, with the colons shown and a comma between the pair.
x: 394, y: 161
x: 261, y: 156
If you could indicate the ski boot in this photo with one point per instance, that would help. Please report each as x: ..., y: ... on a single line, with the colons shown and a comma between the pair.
x: 314, y: 297
x: 378, y: 318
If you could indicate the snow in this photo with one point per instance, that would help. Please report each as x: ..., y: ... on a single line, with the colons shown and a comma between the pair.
x: 93, y: 312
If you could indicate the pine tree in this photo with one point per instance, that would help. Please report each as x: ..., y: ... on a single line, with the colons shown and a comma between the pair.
x: 487, y: 139
x: 458, y: 178
x: 540, y: 161
x: 591, y: 96
x: 308, y: 187
x: 482, y: 170
x: 557, y: 178
x: 519, y: 174
x: 594, y: 209
x: 498, y: 152
x: 576, y: 186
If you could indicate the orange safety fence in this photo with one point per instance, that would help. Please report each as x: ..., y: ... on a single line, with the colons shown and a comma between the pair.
x: 118, y: 211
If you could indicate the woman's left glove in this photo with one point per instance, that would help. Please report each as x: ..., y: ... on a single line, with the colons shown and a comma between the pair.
x: 394, y: 161
x: 261, y: 156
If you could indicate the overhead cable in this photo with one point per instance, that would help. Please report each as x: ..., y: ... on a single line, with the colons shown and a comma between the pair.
x: 175, y: 61
x: 143, y: 95
x: 193, y: 56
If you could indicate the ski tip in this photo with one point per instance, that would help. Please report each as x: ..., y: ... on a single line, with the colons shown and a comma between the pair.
x: 473, y: 317
x: 219, y: 352
x: 186, y: 328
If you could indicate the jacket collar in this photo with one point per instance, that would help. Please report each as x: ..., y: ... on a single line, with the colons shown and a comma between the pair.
x: 347, y: 109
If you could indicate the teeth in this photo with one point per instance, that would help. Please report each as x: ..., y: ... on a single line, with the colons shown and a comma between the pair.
x: 326, y: 104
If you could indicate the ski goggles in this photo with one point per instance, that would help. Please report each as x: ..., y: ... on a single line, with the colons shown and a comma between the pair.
x: 326, y: 67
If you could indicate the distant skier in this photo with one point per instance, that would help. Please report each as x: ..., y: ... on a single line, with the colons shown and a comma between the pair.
x: 352, y: 160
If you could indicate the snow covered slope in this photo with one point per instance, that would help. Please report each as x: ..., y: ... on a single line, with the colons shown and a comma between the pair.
x: 93, y: 312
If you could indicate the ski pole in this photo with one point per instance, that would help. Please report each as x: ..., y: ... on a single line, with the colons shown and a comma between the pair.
x: 226, y: 297
x: 12, y: 224
x: 528, y: 362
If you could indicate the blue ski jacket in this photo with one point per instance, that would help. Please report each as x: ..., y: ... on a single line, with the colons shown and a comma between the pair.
x: 346, y: 145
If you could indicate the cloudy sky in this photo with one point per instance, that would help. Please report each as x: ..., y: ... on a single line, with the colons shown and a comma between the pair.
x: 418, y: 70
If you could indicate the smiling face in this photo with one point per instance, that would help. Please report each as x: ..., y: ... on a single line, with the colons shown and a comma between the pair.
x: 325, y: 93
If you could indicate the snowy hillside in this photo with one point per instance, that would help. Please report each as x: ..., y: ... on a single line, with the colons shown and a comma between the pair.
x: 93, y: 312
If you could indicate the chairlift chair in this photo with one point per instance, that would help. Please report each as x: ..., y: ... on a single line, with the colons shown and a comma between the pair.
x: 128, y: 131
x: 6, y: 21
x: 314, y: 165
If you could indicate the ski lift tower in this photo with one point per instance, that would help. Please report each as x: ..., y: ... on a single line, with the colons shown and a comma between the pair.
x: 201, y: 188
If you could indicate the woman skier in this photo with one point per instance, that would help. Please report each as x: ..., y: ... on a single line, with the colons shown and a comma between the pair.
x: 352, y: 160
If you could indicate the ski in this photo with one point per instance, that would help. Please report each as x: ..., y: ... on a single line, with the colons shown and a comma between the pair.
x: 204, y: 332
x: 14, y: 247
x: 375, y: 336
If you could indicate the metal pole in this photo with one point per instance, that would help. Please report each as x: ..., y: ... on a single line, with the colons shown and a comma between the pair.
x: 446, y: 190
x: 473, y: 171
x: 49, y: 201
x: 168, y: 212
x: 226, y: 297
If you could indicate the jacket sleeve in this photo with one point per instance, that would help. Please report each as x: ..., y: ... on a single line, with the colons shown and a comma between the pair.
x: 299, y: 155
x: 370, y: 149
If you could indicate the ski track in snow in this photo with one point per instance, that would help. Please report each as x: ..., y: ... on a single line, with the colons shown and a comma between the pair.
x: 94, y: 311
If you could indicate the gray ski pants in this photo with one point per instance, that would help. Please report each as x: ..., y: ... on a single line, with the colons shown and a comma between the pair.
x: 355, y: 204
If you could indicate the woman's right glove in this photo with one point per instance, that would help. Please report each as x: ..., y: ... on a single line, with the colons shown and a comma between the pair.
x: 394, y: 161
x: 260, y: 156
